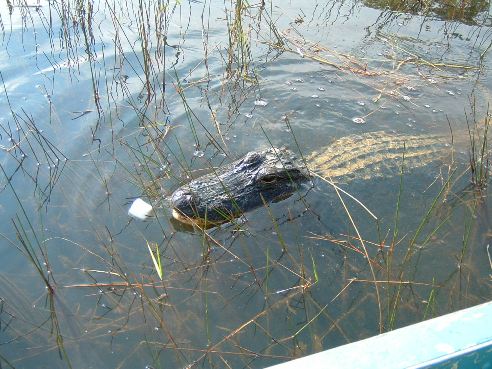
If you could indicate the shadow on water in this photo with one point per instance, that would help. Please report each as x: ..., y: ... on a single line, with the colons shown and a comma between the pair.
x: 110, y: 102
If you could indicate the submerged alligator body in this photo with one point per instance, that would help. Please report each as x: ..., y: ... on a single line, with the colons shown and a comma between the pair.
x: 275, y: 174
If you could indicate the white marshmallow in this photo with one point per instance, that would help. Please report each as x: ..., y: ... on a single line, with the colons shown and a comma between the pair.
x: 140, y: 209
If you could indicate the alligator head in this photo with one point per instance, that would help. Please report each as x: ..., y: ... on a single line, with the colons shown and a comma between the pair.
x: 256, y: 179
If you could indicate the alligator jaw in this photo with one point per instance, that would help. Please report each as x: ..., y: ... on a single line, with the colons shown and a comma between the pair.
x: 248, y: 183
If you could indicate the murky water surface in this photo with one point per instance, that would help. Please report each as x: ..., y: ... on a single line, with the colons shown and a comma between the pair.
x: 107, y: 102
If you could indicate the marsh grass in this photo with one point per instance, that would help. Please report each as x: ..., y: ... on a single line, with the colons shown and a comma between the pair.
x: 479, y: 151
x: 256, y: 292
x: 30, y: 245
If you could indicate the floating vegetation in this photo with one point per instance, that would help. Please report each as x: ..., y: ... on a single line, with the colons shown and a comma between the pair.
x: 261, y: 103
x: 199, y: 153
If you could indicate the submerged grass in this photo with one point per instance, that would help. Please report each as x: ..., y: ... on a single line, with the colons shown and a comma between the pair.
x: 31, y: 246
x: 479, y: 151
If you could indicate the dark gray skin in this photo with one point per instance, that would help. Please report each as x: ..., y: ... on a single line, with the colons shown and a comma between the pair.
x: 248, y: 183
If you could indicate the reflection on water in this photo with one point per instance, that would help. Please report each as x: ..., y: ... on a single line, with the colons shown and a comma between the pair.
x: 107, y: 103
x: 469, y: 12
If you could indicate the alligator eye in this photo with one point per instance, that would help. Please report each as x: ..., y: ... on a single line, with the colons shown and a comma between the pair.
x: 268, y: 179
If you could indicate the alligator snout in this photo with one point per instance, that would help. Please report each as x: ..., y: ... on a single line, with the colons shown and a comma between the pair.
x: 183, y: 200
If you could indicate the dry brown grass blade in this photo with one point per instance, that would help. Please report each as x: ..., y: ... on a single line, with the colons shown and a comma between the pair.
x: 133, y: 285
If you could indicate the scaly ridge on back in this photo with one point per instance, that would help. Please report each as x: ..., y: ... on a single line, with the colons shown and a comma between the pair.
x: 375, y: 154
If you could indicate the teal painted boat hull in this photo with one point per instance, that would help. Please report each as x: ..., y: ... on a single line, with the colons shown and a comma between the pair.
x: 460, y: 340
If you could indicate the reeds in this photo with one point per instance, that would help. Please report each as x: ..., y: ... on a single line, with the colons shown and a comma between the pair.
x: 479, y: 151
x: 252, y: 292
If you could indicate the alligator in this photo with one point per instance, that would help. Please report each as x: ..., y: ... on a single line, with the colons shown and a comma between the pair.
x: 273, y: 174
x: 256, y: 179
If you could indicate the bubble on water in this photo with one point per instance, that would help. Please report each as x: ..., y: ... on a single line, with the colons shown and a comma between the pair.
x: 199, y: 154
x: 288, y: 83
x: 260, y: 102
x: 299, y: 80
x: 361, y: 103
x: 321, y: 89
x: 314, y: 96
x: 358, y: 120
x: 434, y: 110
x: 248, y: 115
x: 450, y: 92
x: 293, y: 88
x: 317, y: 105
x: 406, y: 98
x: 427, y: 105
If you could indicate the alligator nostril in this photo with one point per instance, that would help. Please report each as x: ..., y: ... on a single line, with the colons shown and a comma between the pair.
x: 181, y: 198
x: 188, y: 198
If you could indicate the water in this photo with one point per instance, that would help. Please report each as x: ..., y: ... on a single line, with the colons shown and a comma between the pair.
x: 94, y: 120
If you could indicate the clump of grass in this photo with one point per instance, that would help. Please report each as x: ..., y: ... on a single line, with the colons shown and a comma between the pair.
x: 479, y: 156
x: 238, y: 52
x: 30, y: 245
